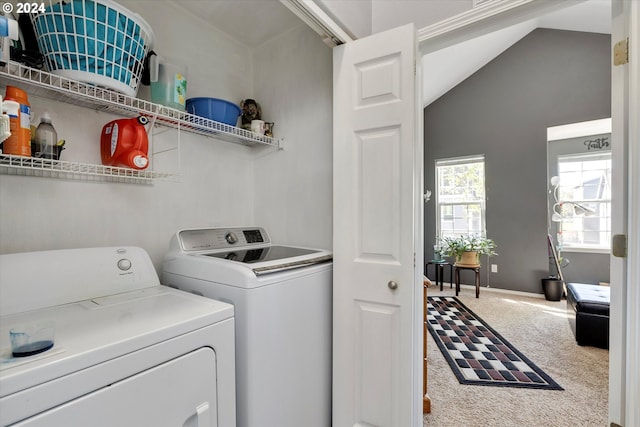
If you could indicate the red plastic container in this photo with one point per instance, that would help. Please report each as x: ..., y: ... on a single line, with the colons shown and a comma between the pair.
x: 124, y: 142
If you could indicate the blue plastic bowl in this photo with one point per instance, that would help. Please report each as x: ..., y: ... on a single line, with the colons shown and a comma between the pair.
x: 214, y: 109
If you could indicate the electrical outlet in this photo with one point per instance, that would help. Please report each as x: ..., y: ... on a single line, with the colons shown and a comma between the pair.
x: 494, y: 268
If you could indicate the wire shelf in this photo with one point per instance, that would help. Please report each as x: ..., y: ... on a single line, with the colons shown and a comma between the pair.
x: 51, y: 86
x: 32, y: 166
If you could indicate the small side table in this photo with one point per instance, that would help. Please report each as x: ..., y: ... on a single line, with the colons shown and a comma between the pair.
x: 476, y: 269
x: 439, y: 266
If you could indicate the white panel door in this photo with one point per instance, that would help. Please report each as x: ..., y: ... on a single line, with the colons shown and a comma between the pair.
x: 377, y: 186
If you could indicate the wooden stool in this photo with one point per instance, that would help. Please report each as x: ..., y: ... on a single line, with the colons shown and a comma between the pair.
x: 466, y: 267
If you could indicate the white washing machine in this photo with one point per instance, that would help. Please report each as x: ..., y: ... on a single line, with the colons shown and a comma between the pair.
x: 89, y: 337
x: 282, y: 297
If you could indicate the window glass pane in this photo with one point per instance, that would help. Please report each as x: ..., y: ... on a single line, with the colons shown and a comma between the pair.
x: 460, y: 196
x: 460, y: 219
x: 460, y: 183
x: 585, y: 200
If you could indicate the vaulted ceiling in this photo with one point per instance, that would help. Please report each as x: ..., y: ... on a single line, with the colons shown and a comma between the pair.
x: 252, y: 22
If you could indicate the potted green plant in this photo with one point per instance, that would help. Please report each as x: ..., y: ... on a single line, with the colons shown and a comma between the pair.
x: 467, y: 248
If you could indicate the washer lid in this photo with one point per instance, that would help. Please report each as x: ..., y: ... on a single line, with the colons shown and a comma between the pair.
x: 263, y: 254
x: 269, y: 259
x: 242, y: 257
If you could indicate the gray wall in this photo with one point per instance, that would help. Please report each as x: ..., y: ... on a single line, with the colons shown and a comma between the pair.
x: 548, y: 78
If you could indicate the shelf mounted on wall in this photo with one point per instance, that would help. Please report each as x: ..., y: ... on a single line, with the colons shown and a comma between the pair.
x: 47, y: 85
x: 43, y: 84
x: 48, y: 168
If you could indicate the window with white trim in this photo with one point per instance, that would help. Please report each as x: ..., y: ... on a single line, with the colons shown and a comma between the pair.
x: 584, y: 201
x: 460, y: 196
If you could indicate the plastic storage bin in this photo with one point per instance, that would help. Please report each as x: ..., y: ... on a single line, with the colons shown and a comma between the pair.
x: 94, y: 41
x: 168, y: 82
x: 214, y: 109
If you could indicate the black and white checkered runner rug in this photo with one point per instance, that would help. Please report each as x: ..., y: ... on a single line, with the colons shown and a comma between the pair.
x: 476, y: 353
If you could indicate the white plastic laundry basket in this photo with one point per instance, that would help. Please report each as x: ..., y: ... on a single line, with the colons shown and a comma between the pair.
x: 94, y: 41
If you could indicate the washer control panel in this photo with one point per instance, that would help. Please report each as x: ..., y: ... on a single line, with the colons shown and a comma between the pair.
x: 221, y: 238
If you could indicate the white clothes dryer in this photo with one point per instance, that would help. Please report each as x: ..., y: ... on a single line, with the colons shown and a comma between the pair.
x: 282, y: 297
x: 121, y: 349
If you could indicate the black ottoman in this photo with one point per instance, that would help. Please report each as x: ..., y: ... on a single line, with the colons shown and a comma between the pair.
x: 588, y: 313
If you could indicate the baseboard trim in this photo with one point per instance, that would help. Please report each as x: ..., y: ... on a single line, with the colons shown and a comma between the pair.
x: 504, y: 291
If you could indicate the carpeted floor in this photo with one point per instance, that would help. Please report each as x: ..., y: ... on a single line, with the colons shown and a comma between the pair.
x: 539, y: 329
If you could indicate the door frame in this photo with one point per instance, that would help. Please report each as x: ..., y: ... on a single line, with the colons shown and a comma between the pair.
x: 499, y: 14
x: 624, y: 360
x: 624, y: 369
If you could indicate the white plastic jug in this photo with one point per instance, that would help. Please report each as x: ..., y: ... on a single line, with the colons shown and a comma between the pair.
x: 168, y: 82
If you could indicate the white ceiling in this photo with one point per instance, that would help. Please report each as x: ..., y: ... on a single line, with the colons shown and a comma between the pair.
x: 252, y: 22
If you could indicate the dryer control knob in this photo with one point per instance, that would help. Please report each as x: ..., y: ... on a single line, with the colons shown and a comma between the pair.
x: 124, y: 264
x: 231, y: 238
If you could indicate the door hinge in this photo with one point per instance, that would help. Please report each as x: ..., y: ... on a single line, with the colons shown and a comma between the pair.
x: 619, y: 245
x: 621, y: 52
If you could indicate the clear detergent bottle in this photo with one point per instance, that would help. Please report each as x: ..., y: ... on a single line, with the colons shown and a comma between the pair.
x: 46, y: 138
